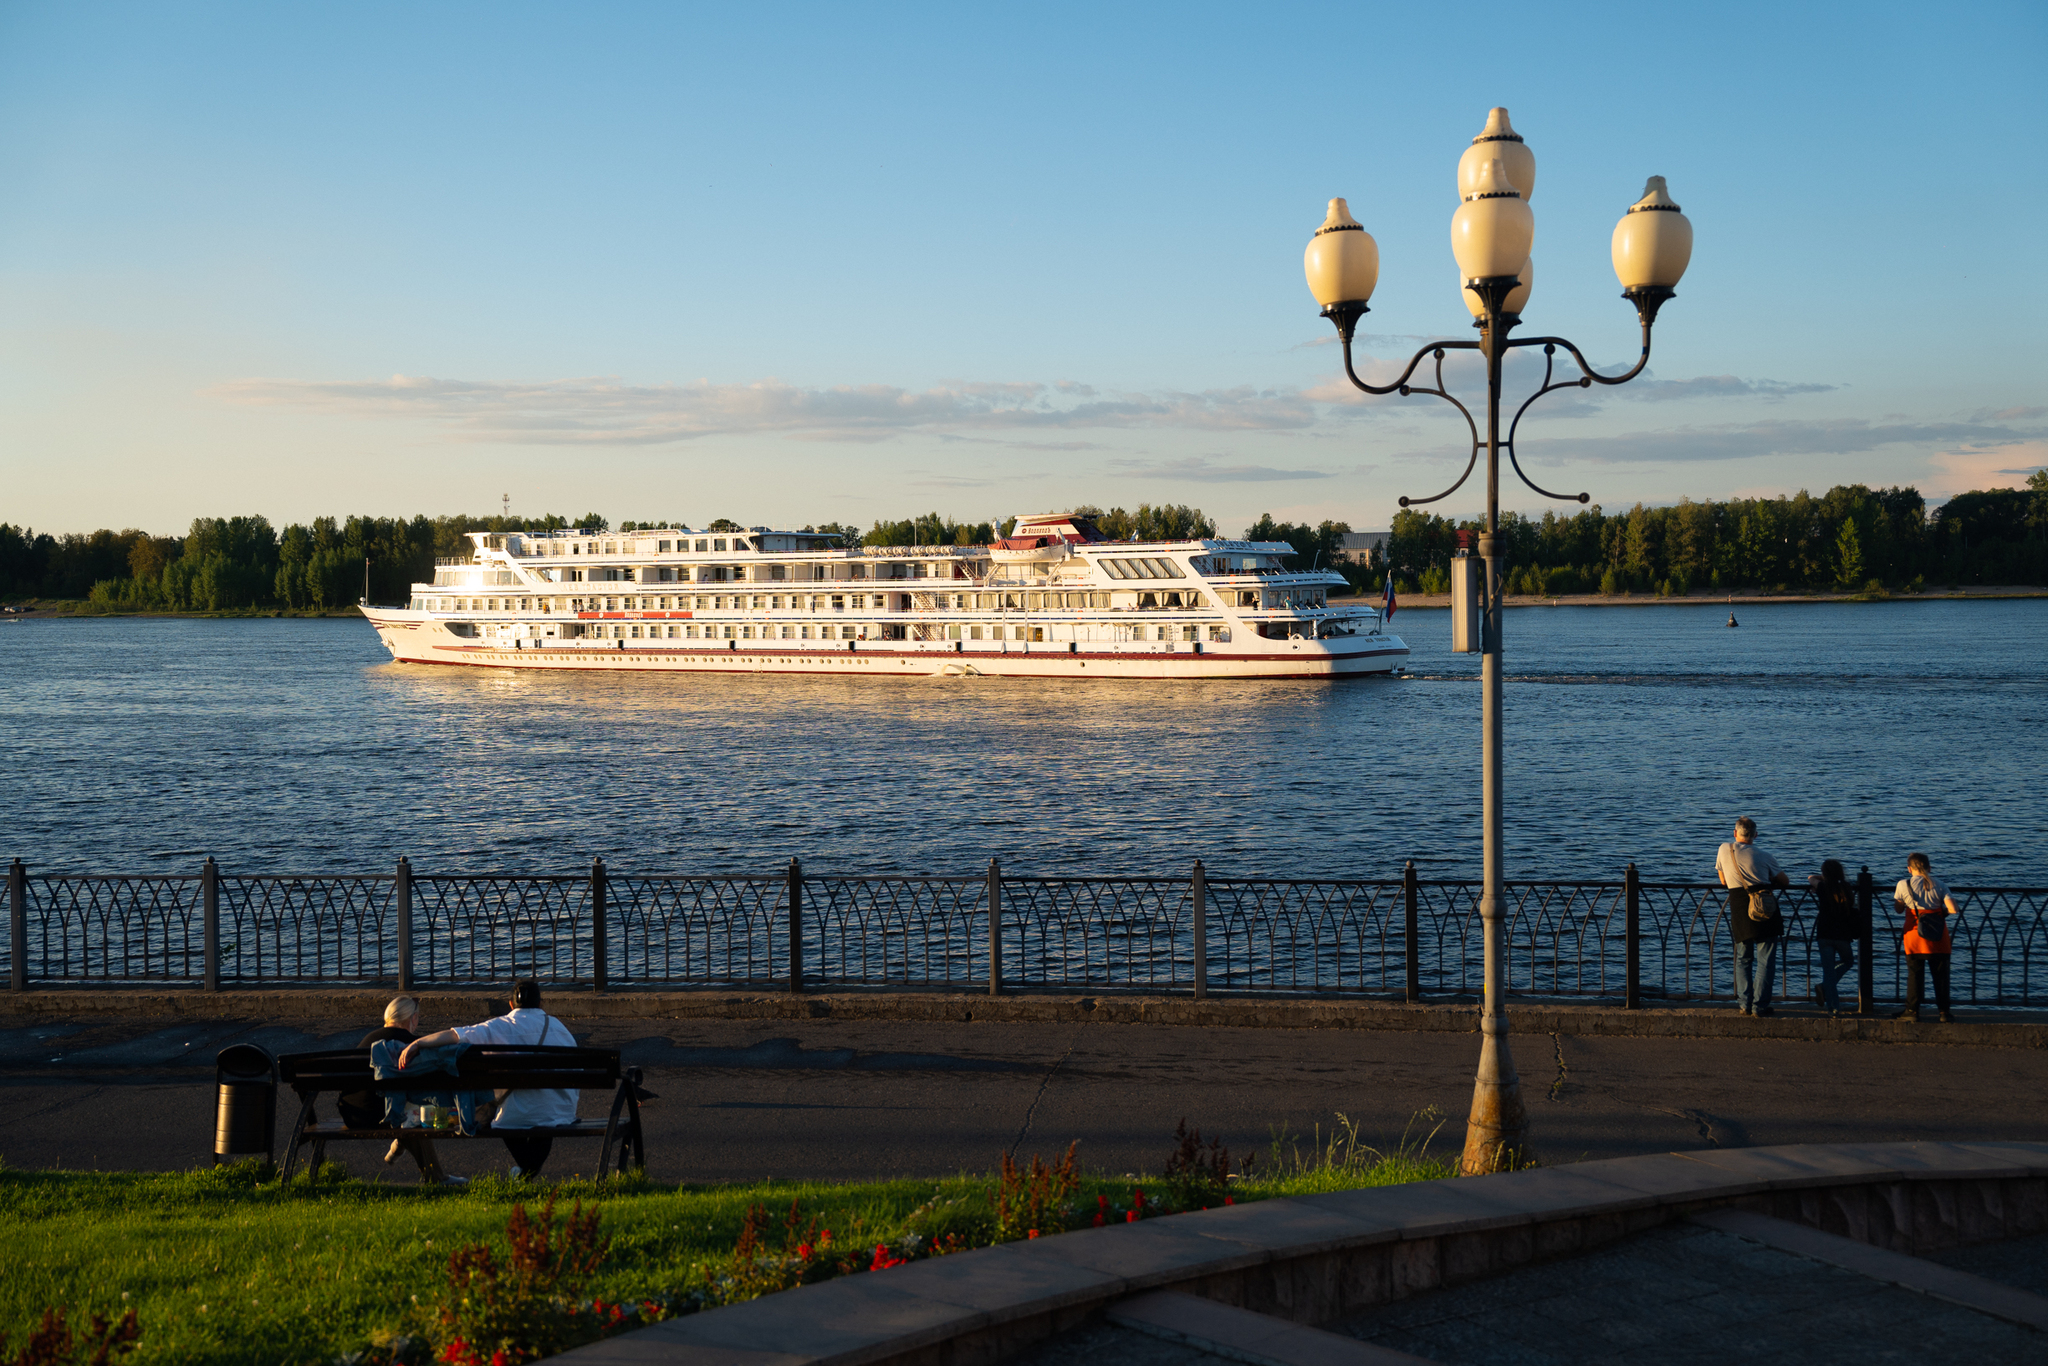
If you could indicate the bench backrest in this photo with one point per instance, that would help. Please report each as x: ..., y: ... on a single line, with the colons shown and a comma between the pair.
x: 485, y: 1066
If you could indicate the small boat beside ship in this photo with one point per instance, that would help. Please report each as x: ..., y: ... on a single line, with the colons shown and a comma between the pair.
x: 1053, y: 599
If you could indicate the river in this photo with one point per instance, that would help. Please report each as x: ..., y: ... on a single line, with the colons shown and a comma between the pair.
x: 1857, y: 731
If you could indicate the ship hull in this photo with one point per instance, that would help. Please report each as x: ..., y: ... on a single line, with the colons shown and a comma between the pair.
x: 421, y: 641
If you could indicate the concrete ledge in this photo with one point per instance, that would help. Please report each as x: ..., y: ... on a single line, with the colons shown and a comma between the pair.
x: 1316, y: 1259
x: 1240, y: 1335
x: 1995, y: 1028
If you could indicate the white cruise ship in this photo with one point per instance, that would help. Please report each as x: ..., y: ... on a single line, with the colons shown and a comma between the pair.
x: 1054, y: 599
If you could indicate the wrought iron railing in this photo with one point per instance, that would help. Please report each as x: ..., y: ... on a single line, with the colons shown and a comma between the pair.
x: 1402, y: 938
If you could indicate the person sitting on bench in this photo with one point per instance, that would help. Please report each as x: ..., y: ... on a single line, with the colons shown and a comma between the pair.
x: 365, y: 1109
x: 529, y: 1025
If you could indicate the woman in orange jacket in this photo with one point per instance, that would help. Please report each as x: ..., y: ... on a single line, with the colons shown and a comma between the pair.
x: 1923, y: 900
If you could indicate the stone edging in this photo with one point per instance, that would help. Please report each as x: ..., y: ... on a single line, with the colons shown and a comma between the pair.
x: 1318, y: 1258
x: 1683, y: 1022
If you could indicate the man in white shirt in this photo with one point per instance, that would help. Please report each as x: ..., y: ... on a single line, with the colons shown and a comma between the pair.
x: 1743, y: 868
x: 535, y: 1109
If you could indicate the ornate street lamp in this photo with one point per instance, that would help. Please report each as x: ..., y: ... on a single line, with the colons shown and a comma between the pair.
x: 1491, y: 234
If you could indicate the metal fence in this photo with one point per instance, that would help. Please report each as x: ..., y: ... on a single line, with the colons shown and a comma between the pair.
x: 1399, y: 938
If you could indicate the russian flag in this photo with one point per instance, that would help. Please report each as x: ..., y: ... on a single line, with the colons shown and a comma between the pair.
x: 1388, y: 613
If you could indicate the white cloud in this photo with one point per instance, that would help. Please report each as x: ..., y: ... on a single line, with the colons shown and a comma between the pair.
x: 600, y: 411
x: 1201, y: 470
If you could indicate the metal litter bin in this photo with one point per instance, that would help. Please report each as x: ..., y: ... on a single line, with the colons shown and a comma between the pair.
x: 245, y: 1110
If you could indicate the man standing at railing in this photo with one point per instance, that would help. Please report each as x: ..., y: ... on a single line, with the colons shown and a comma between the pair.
x: 1752, y: 877
x: 1923, y: 899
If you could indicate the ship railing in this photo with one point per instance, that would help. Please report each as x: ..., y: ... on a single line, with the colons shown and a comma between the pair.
x: 1621, y: 939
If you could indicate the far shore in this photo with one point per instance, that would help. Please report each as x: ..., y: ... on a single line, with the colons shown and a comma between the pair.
x: 1991, y: 592
x: 48, y: 608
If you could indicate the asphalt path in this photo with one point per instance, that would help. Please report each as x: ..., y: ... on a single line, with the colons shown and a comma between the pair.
x: 839, y: 1100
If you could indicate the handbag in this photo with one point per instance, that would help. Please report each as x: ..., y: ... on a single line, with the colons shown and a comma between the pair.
x: 1763, y: 904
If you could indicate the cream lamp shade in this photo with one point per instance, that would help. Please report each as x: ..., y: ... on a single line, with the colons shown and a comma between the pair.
x: 1342, y: 261
x: 1492, y: 230
x: 1518, y: 297
x: 1653, y: 240
x: 1497, y: 140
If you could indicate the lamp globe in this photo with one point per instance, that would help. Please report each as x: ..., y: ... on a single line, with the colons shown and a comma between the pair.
x: 1493, y: 229
x: 1653, y: 241
x: 1497, y: 140
x: 1342, y: 261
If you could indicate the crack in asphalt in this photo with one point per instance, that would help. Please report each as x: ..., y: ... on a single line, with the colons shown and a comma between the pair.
x: 1031, y: 1110
x: 1557, y: 1086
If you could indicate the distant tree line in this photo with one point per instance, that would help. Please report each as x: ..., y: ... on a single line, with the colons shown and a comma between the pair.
x: 1852, y: 538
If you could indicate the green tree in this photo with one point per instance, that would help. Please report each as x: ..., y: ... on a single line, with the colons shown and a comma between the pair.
x: 1849, y: 556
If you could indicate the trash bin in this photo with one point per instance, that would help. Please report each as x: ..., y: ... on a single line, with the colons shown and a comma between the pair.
x: 245, y: 1113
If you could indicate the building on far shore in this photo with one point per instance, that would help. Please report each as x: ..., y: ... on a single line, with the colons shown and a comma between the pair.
x: 1359, y: 546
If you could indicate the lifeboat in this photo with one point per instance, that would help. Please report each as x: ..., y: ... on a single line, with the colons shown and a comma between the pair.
x: 1037, y: 550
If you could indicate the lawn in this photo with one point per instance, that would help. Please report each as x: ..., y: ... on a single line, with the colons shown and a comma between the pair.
x: 225, y: 1266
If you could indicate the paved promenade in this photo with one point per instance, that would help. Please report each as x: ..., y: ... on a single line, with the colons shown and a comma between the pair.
x: 845, y: 1099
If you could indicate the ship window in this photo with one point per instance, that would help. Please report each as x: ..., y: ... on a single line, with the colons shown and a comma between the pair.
x: 760, y: 603
x: 725, y: 632
x: 1219, y: 633
x: 636, y: 633
x: 788, y: 632
x: 1038, y: 633
x: 952, y: 633
x: 838, y: 603
x: 974, y: 633
x: 1190, y: 633
x: 702, y: 545
x: 1247, y: 599
x: 846, y: 633
x: 718, y: 544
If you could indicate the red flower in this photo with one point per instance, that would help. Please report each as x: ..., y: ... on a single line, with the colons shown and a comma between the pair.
x: 803, y: 1250
x: 498, y: 1359
x: 1033, y: 1233
x: 884, y: 1259
x: 1228, y: 1201
x: 1102, y: 1200
x: 1130, y: 1216
x: 1098, y: 1219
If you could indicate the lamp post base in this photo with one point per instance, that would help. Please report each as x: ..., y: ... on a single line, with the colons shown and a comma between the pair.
x: 1497, y: 1134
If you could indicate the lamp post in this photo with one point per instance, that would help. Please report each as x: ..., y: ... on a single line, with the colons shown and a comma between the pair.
x: 1491, y: 235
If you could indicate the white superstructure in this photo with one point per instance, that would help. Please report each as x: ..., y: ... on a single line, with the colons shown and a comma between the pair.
x: 1052, y: 599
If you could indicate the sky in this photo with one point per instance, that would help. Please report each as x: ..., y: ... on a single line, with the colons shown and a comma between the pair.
x: 801, y: 263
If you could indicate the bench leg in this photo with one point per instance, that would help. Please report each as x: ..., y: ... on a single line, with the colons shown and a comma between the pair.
x: 291, y: 1152
x: 611, y: 1130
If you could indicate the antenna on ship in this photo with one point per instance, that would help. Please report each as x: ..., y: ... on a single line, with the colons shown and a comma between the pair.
x: 506, y: 499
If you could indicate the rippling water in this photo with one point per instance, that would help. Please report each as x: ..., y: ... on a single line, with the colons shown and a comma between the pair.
x: 1853, y: 731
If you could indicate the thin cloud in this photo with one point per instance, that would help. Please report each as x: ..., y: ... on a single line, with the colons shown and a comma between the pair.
x: 602, y: 411
x: 1717, y: 386
x: 1201, y: 470
x: 1826, y: 436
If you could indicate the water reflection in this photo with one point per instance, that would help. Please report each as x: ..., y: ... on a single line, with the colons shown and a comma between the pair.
x: 1849, y: 732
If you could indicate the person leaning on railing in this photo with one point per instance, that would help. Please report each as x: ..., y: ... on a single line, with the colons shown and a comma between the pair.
x: 1752, y: 878
x: 1923, y: 899
x: 1838, y: 922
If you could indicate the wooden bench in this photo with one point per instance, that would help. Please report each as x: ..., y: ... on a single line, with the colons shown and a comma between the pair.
x: 480, y: 1067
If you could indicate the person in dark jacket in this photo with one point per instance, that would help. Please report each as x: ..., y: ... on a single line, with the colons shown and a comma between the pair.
x: 1837, y: 924
x: 1745, y: 869
x: 365, y: 1109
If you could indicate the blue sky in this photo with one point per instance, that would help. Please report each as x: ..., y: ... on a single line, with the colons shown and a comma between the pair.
x: 809, y: 263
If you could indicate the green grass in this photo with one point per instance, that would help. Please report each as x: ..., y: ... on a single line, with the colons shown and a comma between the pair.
x: 224, y: 1266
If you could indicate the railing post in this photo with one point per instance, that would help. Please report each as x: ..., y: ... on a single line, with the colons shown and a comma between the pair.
x: 598, y: 914
x: 1201, y: 899
x: 796, y: 926
x: 1412, y: 928
x: 1632, y: 893
x: 1866, y: 972
x: 995, y: 929
x: 404, y: 897
x: 209, y: 904
x: 17, y: 926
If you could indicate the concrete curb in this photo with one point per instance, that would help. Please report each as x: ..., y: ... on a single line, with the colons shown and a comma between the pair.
x: 2014, y: 1030
x: 1315, y: 1259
